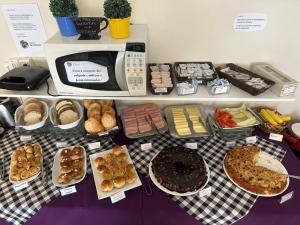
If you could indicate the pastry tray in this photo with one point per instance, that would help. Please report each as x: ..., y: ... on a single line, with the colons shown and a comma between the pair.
x: 212, y: 115
x: 168, y: 89
x: 56, y: 167
x: 202, y: 80
x: 173, y: 132
x: 153, y: 132
x: 97, y: 179
x: 30, y: 178
x: 240, y: 84
x: 105, y: 134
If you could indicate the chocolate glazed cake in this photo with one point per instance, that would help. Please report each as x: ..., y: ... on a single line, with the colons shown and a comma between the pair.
x: 179, y: 169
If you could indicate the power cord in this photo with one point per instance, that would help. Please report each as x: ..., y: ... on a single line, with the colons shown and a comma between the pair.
x: 48, y: 90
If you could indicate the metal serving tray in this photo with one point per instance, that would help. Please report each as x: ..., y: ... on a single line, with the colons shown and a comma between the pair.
x: 172, y: 129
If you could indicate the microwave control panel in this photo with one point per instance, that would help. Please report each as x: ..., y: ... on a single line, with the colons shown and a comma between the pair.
x: 135, y: 69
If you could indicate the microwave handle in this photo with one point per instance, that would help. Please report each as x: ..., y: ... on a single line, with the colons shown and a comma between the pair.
x: 119, y: 68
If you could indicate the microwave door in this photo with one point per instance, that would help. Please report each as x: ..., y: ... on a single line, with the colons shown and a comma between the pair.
x: 120, y: 71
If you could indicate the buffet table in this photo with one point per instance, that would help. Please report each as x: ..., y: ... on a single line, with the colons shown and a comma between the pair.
x: 83, y: 207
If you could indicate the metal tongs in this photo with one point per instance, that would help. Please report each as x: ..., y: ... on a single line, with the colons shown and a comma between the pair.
x: 152, y: 124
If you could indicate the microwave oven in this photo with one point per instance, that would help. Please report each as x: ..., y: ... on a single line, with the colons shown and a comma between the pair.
x: 104, y: 67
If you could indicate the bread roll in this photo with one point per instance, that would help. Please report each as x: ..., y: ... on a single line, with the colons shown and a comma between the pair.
x: 32, y: 100
x: 109, y: 158
x: 106, y: 186
x: 130, y: 168
x: 108, y: 120
x: 95, y: 113
x: 92, y: 107
x: 33, y: 117
x: 109, y: 109
x: 106, y: 175
x: 68, y: 116
x: 122, y: 157
x: 65, y: 153
x: 130, y: 177
x: 93, y: 126
x: 62, y: 103
x: 117, y: 150
x: 87, y: 103
x: 77, y: 173
x: 77, y: 164
x: 64, y: 178
x: 119, y: 182
x: 102, y: 169
x: 99, y: 161
x: 66, y: 169
x: 103, y: 102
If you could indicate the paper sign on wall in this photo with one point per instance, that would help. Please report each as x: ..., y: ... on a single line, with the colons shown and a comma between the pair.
x: 25, y: 24
x: 250, y: 22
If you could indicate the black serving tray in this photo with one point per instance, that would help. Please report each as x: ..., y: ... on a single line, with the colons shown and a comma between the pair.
x: 240, y: 84
x: 169, y: 89
x: 203, y: 81
x: 105, y: 134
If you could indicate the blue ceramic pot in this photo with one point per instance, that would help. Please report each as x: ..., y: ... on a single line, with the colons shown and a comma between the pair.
x: 66, y: 26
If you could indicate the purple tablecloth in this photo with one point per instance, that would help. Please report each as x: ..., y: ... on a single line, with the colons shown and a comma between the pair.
x: 138, y: 208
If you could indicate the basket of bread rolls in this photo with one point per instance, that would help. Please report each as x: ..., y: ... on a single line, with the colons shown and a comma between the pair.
x: 66, y: 113
x: 101, y: 117
x: 32, y: 114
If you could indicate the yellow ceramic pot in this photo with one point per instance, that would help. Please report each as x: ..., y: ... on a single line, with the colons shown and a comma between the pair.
x: 119, y: 28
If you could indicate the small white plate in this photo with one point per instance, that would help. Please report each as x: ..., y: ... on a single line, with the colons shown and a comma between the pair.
x: 56, y: 167
x: 98, y: 180
x: 154, y: 180
x: 30, y: 178
x: 268, y: 161
x: 54, y: 120
x: 19, y: 118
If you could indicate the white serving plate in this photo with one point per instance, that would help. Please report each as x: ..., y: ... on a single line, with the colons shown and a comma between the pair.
x: 30, y: 178
x: 98, y: 180
x: 19, y: 118
x: 56, y: 167
x: 157, y: 184
x: 270, y: 162
x: 55, y: 122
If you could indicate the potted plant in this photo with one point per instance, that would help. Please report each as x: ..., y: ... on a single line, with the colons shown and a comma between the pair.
x: 118, y: 13
x: 64, y: 11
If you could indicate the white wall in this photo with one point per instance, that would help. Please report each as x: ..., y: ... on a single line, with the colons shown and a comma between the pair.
x: 200, y: 30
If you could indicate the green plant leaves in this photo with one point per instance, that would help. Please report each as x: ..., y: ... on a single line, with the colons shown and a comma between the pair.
x: 117, y: 9
x: 63, y: 8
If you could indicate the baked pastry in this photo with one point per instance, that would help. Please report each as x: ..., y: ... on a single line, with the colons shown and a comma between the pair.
x: 108, y: 120
x: 106, y: 185
x: 87, y: 103
x: 77, y: 173
x: 105, y: 102
x: 66, y: 169
x: 99, y: 161
x: 130, y: 168
x: 107, y: 175
x: 33, y: 111
x: 32, y: 100
x: 109, y: 157
x: 240, y: 166
x: 64, y: 178
x: 92, y: 125
x: 102, y: 169
x: 119, y: 182
x: 24, y: 162
x: 65, y: 153
x: 130, y: 177
x: 117, y: 150
x: 179, y: 169
x: 77, y: 163
x: 76, y: 153
x: 93, y: 107
x: 108, y: 109
x: 122, y: 157
x: 71, y: 164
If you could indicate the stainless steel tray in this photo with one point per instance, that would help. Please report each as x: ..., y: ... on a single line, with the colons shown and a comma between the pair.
x: 232, y: 128
x: 172, y: 129
x: 154, y: 131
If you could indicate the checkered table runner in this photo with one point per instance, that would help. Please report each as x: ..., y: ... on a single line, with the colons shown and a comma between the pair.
x: 225, y: 205
x: 18, y: 207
